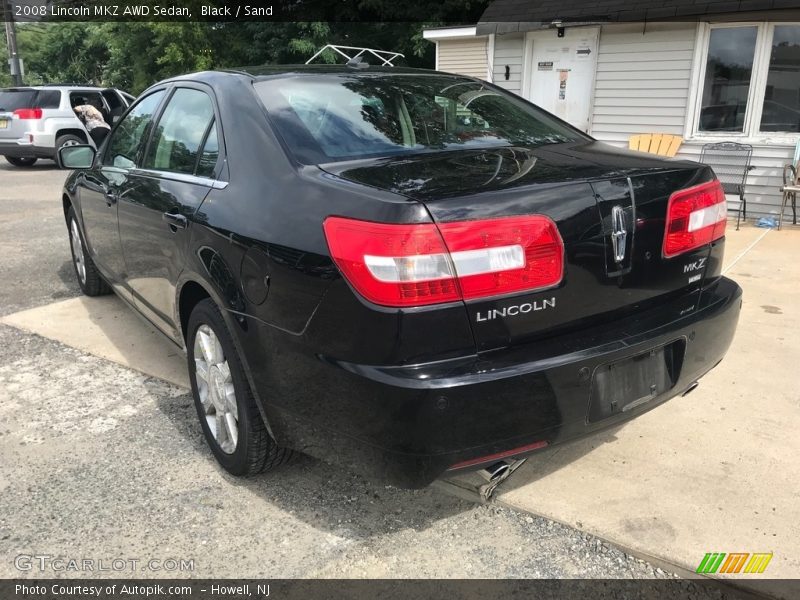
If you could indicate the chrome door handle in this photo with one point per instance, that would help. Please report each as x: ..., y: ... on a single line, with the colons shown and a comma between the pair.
x: 176, y: 221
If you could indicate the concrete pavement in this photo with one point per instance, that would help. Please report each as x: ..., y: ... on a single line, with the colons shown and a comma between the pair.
x: 106, y: 327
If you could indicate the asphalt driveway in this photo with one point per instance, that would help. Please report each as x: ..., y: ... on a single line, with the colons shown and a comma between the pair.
x: 35, y: 269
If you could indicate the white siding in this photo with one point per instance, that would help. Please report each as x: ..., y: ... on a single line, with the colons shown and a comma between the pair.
x: 464, y: 56
x: 763, y: 182
x: 643, y: 82
x: 508, y: 50
x: 643, y: 79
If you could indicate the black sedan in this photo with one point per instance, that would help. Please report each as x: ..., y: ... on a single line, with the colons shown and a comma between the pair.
x: 404, y: 272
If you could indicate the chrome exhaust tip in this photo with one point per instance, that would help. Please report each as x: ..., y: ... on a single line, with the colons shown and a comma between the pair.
x: 690, y: 389
x: 482, y: 482
x: 495, y: 472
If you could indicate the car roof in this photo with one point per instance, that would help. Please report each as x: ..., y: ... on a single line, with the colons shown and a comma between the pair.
x: 58, y: 88
x: 66, y: 88
x: 271, y: 71
x: 267, y: 72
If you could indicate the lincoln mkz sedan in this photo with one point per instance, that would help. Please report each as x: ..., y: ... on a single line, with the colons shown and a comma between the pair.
x: 404, y: 272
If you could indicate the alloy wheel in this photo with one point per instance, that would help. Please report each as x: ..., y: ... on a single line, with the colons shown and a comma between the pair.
x: 215, y: 388
x: 77, y: 251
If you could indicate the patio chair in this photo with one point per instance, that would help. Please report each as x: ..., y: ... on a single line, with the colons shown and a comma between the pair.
x: 662, y: 144
x: 731, y: 163
x: 791, y: 186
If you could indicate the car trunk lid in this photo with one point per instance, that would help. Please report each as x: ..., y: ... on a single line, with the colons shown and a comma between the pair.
x: 610, y: 208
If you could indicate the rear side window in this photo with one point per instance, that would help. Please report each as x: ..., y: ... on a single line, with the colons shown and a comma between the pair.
x: 11, y: 100
x: 180, y: 132
x: 207, y: 161
x: 127, y: 140
x: 48, y: 99
x: 328, y: 118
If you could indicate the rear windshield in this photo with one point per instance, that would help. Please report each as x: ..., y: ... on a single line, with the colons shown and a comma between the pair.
x: 325, y: 118
x: 11, y: 100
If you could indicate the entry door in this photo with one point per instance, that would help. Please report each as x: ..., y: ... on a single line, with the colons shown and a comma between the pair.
x: 99, y: 195
x: 561, y: 72
x: 161, y: 199
x: 106, y: 183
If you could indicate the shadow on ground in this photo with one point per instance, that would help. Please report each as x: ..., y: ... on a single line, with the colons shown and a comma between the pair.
x: 333, y: 497
x: 66, y: 273
x: 324, y: 496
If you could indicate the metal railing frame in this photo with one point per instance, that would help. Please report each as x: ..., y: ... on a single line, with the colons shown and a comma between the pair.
x: 385, y: 56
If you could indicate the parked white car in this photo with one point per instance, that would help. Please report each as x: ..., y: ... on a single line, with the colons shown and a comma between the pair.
x: 36, y: 121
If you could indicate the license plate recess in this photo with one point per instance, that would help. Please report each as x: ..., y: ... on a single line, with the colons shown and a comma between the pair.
x: 623, y: 385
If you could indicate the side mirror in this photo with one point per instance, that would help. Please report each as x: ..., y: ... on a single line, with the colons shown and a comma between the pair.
x: 76, y: 157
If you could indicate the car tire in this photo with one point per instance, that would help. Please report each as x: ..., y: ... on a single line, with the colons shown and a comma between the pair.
x: 226, y: 407
x: 89, y: 278
x: 21, y: 161
x: 67, y: 140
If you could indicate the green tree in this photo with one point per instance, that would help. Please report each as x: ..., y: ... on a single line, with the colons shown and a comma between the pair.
x: 134, y: 55
x: 62, y: 52
x: 139, y: 54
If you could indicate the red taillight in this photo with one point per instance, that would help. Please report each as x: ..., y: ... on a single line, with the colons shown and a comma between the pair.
x: 416, y: 265
x: 502, y: 256
x: 696, y: 216
x: 28, y: 113
x: 395, y: 265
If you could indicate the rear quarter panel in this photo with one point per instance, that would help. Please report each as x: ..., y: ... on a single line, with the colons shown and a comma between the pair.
x: 258, y: 245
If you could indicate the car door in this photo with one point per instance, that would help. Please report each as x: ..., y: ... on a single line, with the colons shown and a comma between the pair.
x: 102, y: 186
x: 116, y: 104
x: 161, y: 197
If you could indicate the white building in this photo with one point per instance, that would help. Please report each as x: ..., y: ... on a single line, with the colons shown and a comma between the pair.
x: 727, y: 77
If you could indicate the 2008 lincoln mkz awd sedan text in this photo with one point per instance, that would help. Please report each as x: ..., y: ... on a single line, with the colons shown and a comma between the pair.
x: 403, y: 272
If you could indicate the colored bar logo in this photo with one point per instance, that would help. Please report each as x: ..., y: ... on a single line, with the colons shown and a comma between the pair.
x: 735, y: 562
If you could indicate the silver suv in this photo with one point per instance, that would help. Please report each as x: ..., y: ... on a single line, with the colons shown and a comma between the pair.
x: 36, y: 121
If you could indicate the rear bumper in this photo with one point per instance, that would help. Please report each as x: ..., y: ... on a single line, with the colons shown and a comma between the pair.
x: 23, y: 148
x: 411, y: 424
